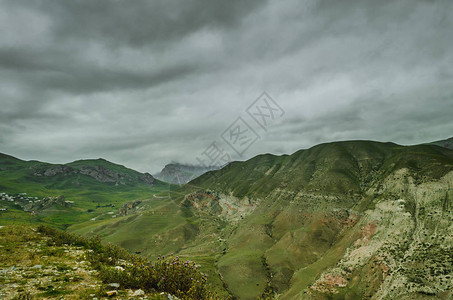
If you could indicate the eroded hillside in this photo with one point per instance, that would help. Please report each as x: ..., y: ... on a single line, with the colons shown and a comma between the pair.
x: 343, y: 220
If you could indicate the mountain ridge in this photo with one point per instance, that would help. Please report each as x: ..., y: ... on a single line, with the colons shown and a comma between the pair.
x: 340, y: 220
x: 289, y: 223
x: 116, y: 172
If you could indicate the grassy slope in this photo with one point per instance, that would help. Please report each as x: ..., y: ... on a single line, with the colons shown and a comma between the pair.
x: 345, y: 169
x: 338, y: 167
x: 293, y: 232
x: 161, y: 228
x: 16, y: 176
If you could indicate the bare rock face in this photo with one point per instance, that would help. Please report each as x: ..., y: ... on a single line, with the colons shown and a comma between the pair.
x: 55, y: 170
x: 147, y: 178
x: 97, y: 172
x: 227, y: 207
x: 101, y: 174
x: 405, y: 243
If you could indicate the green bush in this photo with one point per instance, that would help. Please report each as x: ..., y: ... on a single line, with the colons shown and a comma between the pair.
x: 171, y: 275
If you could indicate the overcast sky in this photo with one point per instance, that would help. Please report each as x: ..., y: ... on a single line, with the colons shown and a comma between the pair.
x: 144, y: 83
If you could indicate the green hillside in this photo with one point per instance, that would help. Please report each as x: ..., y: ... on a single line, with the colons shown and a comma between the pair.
x: 95, y: 187
x: 342, y: 167
x: 340, y: 220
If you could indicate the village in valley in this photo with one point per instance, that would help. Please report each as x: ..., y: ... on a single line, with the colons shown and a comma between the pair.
x: 30, y: 203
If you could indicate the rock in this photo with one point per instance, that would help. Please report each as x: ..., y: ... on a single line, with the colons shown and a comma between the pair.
x: 101, y: 174
x: 47, y: 202
x: 123, y: 210
x: 37, y: 267
x: 115, y: 285
x: 138, y: 293
x: 55, y: 170
x: 112, y: 293
x: 147, y: 178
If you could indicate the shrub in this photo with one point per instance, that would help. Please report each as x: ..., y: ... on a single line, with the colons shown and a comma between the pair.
x: 170, y: 275
x: 23, y: 296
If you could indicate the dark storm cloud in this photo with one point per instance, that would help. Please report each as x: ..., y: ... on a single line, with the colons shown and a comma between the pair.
x: 145, y: 22
x: 144, y: 83
x: 75, y: 26
x: 79, y: 79
x: 139, y: 22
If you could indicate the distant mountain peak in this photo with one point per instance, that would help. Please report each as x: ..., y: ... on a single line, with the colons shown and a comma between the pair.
x: 447, y: 143
x: 179, y: 173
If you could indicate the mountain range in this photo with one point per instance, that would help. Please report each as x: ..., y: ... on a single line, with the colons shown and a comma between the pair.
x: 341, y: 220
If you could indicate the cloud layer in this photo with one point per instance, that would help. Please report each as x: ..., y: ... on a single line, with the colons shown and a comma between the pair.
x: 144, y: 83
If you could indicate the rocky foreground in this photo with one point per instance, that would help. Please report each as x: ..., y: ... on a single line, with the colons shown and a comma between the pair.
x: 33, y: 266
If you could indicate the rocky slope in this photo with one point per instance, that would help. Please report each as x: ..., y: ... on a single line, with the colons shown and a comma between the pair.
x: 43, y: 263
x: 30, y: 267
x: 345, y: 220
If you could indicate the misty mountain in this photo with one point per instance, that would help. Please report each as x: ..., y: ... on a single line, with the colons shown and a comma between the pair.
x: 177, y: 173
x: 448, y: 143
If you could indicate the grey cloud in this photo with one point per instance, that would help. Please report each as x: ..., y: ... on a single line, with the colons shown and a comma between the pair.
x: 144, y: 22
x: 143, y: 83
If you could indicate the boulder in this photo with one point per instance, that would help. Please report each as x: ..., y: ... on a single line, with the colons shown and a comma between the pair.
x: 138, y: 293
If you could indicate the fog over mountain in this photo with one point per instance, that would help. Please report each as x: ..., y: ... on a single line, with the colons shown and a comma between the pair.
x: 144, y: 83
